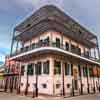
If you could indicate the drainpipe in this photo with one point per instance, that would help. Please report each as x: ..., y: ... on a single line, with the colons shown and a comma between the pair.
x: 80, y: 79
x: 26, y: 89
x: 98, y: 78
x: 19, y: 79
x: 93, y: 81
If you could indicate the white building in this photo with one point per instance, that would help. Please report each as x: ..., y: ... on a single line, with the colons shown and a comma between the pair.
x: 56, y: 55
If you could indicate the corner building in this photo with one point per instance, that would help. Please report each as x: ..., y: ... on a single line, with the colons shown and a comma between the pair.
x: 57, y: 55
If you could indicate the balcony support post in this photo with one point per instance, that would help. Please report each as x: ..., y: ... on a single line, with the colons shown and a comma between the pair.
x: 70, y: 45
x: 98, y: 79
x: 94, y: 53
x: 63, y: 81
x: 30, y: 44
x: 88, y: 87
x: 17, y: 46
x: 12, y: 43
x: 51, y: 38
x: 80, y: 75
x: 62, y: 41
x: 90, y: 53
x: 93, y: 79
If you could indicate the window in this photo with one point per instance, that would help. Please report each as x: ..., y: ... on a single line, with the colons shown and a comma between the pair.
x: 57, y: 86
x: 67, y: 46
x: 22, y: 70
x: 57, y: 67
x: 58, y: 42
x: 30, y: 69
x: 68, y: 85
x: 33, y: 45
x: 38, y: 68
x: 79, y: 51
x: 67, y: 69
x: 44, y: 85
x: 84, y: 71
x: 28, y: 25
x: 73, y: 48
x: 26, y: 48
x: 91, y: 72
x: 46, y: 67
x: 40, y: 43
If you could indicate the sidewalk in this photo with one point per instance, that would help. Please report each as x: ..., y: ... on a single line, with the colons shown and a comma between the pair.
x: 81, y: 97
x: 12, y: 96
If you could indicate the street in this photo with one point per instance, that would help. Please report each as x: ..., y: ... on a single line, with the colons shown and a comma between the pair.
x: 8, y: 96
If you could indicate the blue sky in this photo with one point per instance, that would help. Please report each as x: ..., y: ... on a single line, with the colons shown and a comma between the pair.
x: 86, y: 12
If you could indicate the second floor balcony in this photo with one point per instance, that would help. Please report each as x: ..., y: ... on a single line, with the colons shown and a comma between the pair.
x: 55, y: 44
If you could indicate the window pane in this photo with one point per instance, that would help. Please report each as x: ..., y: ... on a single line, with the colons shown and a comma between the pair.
x: 30, y: 69
x: 84, y: 71
x: 67, y: 69
x: 57, y: 67
x: 46, y: 67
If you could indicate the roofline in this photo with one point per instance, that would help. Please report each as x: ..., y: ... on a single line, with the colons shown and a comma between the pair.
x: 75, y: 22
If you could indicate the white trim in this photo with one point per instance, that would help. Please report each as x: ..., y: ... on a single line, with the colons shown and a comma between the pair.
x: 54, y: 49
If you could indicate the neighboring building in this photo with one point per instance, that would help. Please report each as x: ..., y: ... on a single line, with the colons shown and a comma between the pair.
x: 11, y: 75
x: 55, y: 54
x: 2, y: 69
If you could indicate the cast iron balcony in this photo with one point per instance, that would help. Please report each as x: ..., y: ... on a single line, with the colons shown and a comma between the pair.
x: 40, y: 44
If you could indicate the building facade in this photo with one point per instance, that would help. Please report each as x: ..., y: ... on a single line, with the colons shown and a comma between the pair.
x: 2, y: 69
x: 55, y: 55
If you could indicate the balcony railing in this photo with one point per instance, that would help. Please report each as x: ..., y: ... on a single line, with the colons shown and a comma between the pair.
x: 74, y: 50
